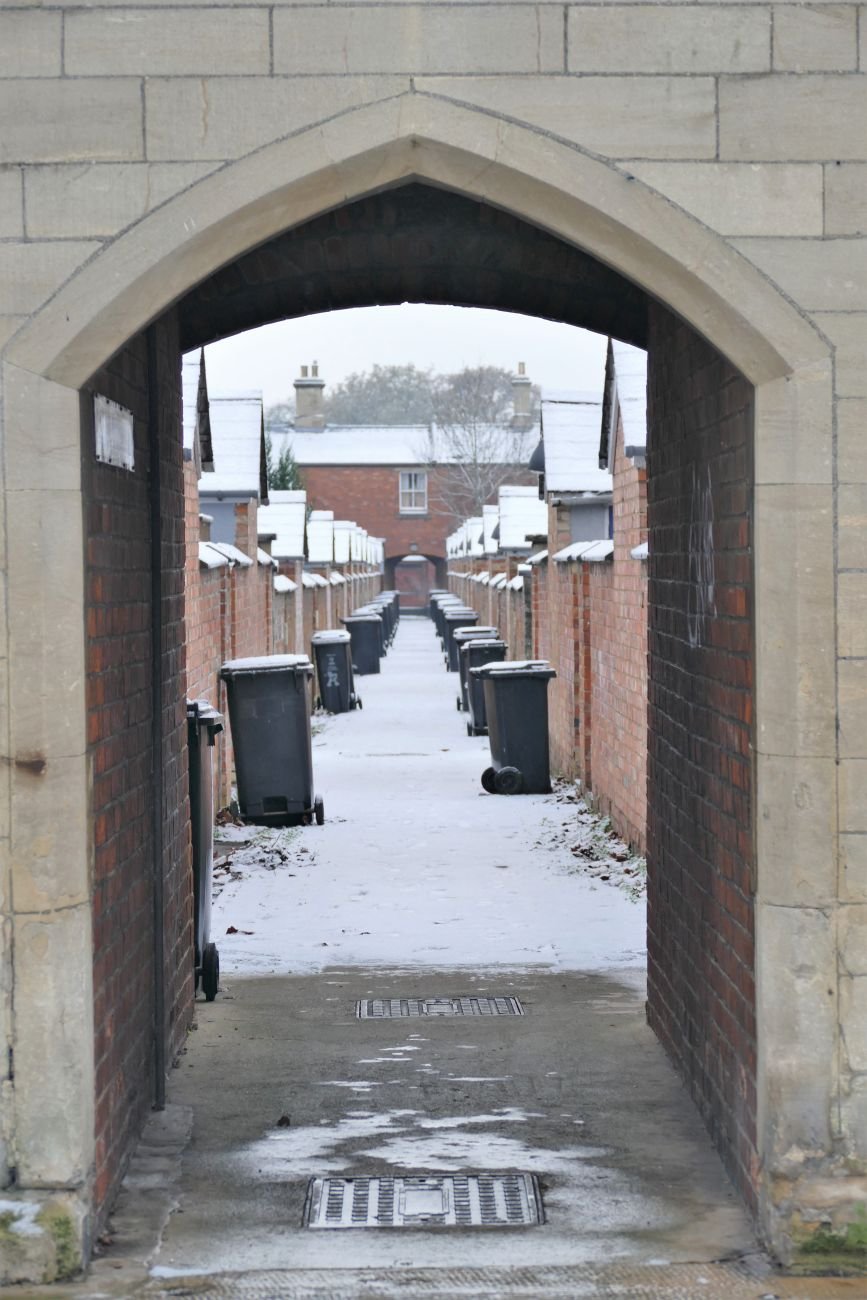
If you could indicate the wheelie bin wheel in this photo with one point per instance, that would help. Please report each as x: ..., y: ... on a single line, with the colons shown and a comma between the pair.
x: 460, y: 704
x: 508, y: 781
x: 470, y: 731
x: 489, y: 779
x: 210, y: 971
x: 319, y: 810
x: 353, y: 702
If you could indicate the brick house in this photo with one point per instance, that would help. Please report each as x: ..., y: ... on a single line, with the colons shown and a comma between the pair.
x: 400, y: 482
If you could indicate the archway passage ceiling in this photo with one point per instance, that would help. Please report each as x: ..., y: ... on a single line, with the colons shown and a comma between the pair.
x: 414, y: 244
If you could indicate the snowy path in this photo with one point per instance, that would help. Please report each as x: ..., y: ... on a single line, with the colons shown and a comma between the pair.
x: 416, y: 865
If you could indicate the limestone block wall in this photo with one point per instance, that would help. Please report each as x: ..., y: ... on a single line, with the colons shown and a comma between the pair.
x: 714, y: 154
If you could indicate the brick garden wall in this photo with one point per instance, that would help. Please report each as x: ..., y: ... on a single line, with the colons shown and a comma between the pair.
x: 701, y: 999
x: 120, y: 708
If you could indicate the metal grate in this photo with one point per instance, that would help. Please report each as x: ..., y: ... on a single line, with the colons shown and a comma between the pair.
x: 425, y: 1201
x: 390, y: 1008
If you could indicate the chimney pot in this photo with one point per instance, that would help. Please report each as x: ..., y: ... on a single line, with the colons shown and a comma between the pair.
x: 303, y: 372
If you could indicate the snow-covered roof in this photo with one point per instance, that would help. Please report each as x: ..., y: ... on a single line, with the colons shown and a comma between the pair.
x: 190, y: 397
x: 320, y: 536
x: 232, y: 554
x: 239, y: 446
x: 342, y: 531
x: 282, y: 584
x: 630, y: 375
x: 570, y: 432
x: 490, y: 520
x: 210, y: 557
x: 589, y: 551
x: 640, y: 552
x: 336, y: 579
x: 516, y: 583
x: 404, y: 445
x: 499, y: 581
x: 285, y: 516
x: 522, y: 515
x: 264, y: 558
x: 538, y: 557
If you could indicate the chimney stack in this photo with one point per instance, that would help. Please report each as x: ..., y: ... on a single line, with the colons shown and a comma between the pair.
x: 309, y: 399
x: 522, y: 394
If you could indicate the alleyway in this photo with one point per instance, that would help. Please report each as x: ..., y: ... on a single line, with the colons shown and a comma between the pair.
x: 421, y: 885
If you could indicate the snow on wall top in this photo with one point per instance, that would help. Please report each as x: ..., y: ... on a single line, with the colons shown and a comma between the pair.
x: 236, y: 437
x: 570, y: 430
x: 630, y: 377
x: 285, y: 516
x: 522, y: 515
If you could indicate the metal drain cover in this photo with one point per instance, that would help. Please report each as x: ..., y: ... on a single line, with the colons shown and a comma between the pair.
x: 425, y: 1201
x: 389, y: 1008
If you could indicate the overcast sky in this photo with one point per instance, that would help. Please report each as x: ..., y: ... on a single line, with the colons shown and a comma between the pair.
x: 443, y: 338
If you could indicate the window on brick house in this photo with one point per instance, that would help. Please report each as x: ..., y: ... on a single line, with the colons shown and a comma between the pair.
x: 413, y: 492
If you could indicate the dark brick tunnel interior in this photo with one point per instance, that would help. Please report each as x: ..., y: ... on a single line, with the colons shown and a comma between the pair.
x: 420, y: 244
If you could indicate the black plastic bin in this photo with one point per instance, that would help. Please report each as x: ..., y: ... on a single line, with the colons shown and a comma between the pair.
x: 332, y: 653
x: 452, y: 620
x: 269, y: 710
x: 516, y: 703
x: 443, y: 603
x: 431, y: 597
x: 460, y: 637
x: 375, y: 611
x: 475, y: 654
x: 203, y: 726
x: 366, y: 633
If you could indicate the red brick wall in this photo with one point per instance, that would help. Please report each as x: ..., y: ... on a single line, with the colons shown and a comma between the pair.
x: 618, y: 653
x: 414, y: 581
x: 701, y: 997
x: 120, y: 709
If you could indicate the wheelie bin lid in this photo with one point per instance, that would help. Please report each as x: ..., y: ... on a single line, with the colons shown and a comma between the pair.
x: 328, y: 636
x: 479, y: 633
x: 515, y: 668
x: 266, y: 664
x: 472, y: 643
x: 458, y: 611
x: 362, y: 618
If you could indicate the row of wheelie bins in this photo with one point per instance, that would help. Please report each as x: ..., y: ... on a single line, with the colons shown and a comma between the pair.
x: 270, y: 701
x: 507, y: 700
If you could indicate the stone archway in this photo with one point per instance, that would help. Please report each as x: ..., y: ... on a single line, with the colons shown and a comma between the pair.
x: 624, y: 226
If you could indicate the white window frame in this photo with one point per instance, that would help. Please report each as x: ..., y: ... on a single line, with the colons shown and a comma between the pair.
x: 412, y: 488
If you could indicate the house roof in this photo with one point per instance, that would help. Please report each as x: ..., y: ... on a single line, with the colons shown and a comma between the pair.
x: 285, y: 516
x: 320, y: 537
x: 195, y: 410
x: 626, y: 396
x: 237, y: 434
x: 399, y: 445
x: 570, y: 432
x: 522, y: 515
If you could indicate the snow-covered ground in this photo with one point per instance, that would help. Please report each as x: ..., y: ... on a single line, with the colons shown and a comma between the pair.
x: 416, y: 865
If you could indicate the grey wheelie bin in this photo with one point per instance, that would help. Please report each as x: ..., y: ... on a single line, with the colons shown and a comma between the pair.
x: 431, y: 596
x: 460, y: 637
x: 453, y: 619
x: 269, y: 711
x: 365, y: 631
x: 441, y: 604
x: 376, y: 611
x: 332, y: 653
x: 516, y: 703
x: 203, y: 726
x: 475, y: 654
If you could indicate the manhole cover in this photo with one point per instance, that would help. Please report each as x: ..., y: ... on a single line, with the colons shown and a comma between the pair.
x: 389, y: 1008
x: 425, y: 1201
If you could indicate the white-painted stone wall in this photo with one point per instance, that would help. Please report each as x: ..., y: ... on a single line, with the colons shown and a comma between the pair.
x: 715, y: 153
